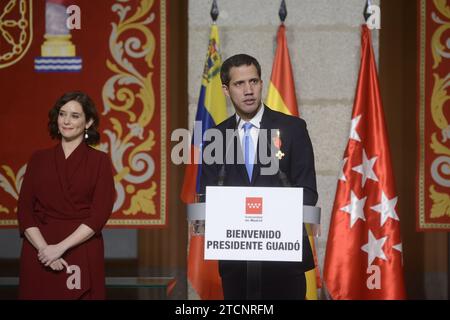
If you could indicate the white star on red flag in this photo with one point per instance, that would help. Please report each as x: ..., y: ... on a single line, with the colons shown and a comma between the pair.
x: 366, y: 168
x: 398, y: 247
x: 353, y: 133
x: 342, y: 176
x: 386, y: 208
x: 355, y: 208
x: 374, y: 248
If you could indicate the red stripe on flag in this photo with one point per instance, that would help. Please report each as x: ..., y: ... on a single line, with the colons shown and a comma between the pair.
x: 282, y: 77
x: 203, y: 274
x: 189, y: 188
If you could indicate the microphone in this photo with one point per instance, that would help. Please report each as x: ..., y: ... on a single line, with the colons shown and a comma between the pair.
x: 222, y: 171
x: 284, y: 180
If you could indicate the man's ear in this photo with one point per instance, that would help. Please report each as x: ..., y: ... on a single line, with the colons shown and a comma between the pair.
x: 89, y: 123
x: 225, y: 90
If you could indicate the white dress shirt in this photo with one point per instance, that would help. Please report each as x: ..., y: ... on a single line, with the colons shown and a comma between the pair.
x: 254, y: 130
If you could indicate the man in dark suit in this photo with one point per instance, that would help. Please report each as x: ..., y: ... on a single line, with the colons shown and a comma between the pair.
x: 241, y: 82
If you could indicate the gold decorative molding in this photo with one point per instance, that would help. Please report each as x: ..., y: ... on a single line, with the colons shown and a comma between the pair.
x: 10, y: 183
x: 440, y: 164
x: 129, y: 94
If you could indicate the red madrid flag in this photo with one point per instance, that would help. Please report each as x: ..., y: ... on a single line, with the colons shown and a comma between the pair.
x: 364, y: 250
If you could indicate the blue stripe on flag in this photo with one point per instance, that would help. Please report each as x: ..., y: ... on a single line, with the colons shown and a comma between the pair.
x: 207, y: 122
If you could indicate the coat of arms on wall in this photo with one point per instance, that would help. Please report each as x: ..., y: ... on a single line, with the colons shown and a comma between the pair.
x: 16, y: 30
x: 58, y: 53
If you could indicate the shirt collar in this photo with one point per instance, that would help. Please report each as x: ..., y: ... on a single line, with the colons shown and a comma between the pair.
x: 255, y: 121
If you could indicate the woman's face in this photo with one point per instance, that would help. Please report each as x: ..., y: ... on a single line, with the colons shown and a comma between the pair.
x: 72, y: 121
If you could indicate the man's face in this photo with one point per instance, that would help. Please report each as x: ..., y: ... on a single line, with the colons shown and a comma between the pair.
x: 244, y: 90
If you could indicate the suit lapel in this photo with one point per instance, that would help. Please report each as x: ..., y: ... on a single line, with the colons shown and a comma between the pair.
x: 266, y: 124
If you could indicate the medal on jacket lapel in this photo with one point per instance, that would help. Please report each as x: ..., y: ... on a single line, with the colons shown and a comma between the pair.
x: 277, y: 144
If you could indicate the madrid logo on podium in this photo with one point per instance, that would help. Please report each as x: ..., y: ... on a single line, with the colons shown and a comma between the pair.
x: 254, y: 209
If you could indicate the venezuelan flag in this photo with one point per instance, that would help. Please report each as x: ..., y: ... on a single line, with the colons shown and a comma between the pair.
x: 211, y: 110
x: 281, y: 97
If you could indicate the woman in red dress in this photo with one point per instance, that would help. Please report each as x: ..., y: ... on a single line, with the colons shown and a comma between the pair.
x: 65, y: 200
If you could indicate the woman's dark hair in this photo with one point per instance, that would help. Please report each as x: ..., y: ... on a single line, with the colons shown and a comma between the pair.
x: 237, y: 61
x: 89, y: 110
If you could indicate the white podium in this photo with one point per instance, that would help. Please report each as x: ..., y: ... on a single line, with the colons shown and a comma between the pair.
x: 247, y: 209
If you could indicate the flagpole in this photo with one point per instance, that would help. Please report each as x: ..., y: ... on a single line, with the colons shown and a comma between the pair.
x: 214, y: 11
x: 282, y: 13
x: 366, y: 14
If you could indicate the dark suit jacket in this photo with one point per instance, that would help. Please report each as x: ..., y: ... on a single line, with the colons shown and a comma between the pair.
x: 297, y: 164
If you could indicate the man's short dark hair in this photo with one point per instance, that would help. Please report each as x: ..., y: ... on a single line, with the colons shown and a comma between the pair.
x: 237, y: 61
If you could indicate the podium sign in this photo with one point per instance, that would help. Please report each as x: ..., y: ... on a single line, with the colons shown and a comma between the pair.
x: 254, y: 223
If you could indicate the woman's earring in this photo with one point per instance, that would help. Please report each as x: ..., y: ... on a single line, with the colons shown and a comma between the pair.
x: 86, y: 134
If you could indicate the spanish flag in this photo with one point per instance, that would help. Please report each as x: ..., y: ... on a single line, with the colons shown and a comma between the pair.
x: 281, y: 97
x: 211, y: 110
x: 281, y: 94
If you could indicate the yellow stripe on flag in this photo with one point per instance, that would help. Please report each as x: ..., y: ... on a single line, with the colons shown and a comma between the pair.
x: 311, y: 285
x: 215, y: 101
x: 311, y: 275
x: 275, y: 100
